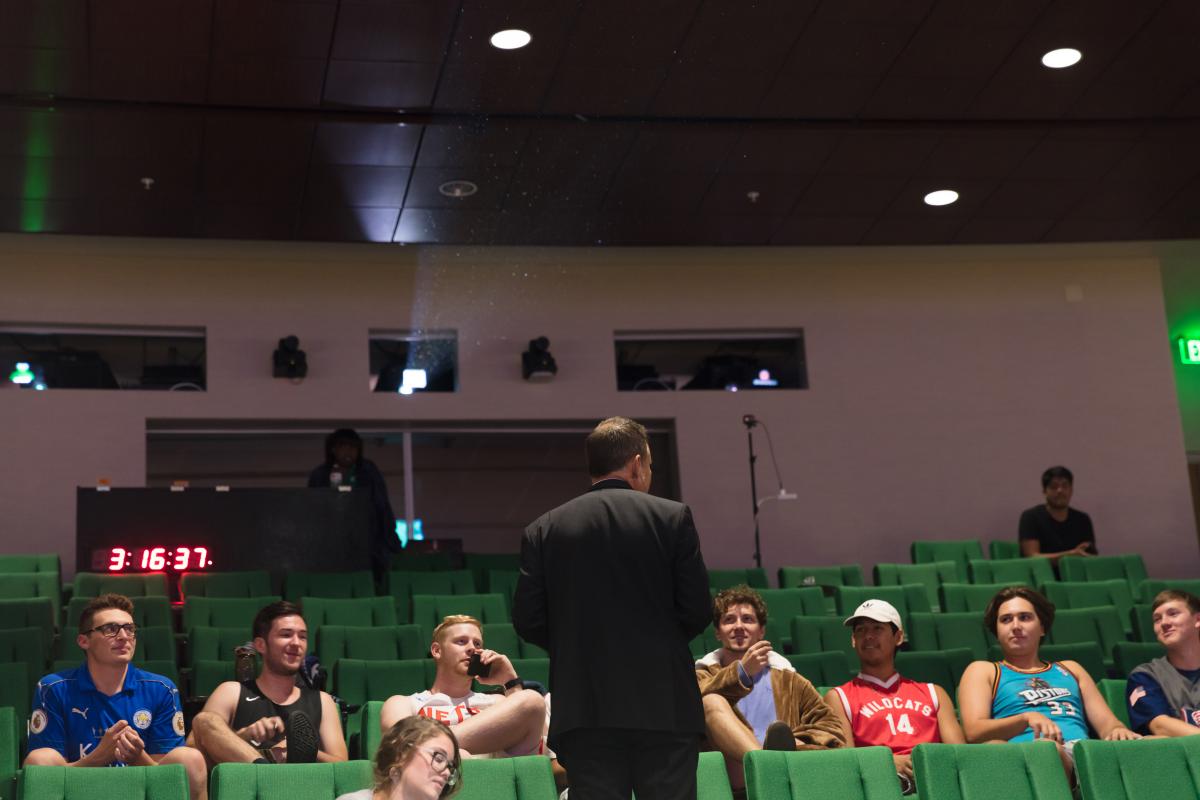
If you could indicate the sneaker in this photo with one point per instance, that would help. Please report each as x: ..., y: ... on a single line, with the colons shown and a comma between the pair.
x: 302, y: 741
x: 779, y: 737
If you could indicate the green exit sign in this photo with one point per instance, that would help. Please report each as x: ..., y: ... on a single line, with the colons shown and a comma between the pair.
x: 1189, y: 351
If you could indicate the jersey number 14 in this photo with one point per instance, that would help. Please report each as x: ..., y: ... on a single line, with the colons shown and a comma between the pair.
x: 899, y: 726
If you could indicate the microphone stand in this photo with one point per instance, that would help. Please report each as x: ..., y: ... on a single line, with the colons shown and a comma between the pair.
x: 749, y: 421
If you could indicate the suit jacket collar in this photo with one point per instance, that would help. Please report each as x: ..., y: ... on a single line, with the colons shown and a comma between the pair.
x: 610, y: 483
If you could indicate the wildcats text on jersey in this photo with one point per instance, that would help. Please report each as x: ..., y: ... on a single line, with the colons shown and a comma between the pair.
x: 869, y: 709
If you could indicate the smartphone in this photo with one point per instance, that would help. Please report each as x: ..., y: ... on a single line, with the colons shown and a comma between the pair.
x: 477, y: 669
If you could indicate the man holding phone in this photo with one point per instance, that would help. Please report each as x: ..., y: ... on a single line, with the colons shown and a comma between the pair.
x: 511, y: 723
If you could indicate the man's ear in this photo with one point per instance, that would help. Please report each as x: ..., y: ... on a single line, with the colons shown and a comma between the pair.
x: 899, y: 638
x: 82, y: 641
x: 435, y: 650
x: 260, y: 645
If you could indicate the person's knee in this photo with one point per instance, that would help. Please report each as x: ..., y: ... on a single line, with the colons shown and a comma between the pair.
x: 192, y: 761
x: 45, y: 757
x: 531, y: 702
x: 715, y: 704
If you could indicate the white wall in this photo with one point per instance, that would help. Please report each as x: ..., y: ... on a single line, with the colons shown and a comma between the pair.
x: 943, y: 380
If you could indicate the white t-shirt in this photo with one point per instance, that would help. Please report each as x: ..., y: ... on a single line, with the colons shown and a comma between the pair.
x: 453, y: 710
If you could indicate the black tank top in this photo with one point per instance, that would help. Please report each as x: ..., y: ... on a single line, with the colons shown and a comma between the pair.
x: 253, y: 705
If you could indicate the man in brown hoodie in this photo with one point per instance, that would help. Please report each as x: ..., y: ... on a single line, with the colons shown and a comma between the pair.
x: 753, y: 698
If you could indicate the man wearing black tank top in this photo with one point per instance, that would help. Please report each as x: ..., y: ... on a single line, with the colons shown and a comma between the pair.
x: 271, y: 719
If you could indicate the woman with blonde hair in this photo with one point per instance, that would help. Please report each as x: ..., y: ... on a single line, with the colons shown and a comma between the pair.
x: 418, y: 759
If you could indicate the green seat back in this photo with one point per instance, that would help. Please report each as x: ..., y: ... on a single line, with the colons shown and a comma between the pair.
x: 1004, y: 548
x: 29, y: 612
x: 502, y: 637
x: 830, y: 668
x: 816, y: 634
x: 1012, y: 571
x: 251, y: 583
x: 402, y: 585
x: 27, y: 645
x: 148, y: 611
x: 285, y: 781
x: 503, y: 581
x: 430, y: 609
x: 164, y: 667
x: 1149, y: 769
x: 859, y: 773
x: 712, y: 779
x: 154, y: 643
x: 131, y: 783
x: 1128, y: 655
x: 928, y: 631
x: 32, y: 584
x: 1087, y: 594
x: 10, y: 751
x: 206, y: 643
x: 223, y: 612
x: 941, y: 667
x: 208, y: 674
x: 931, y: 575
x: 533, y: 669
x: 356, y: 681
x: 783, y: 605
x: 384, y: 643
x: 754, y: 577
x: 39, y: 562
x: 425, y: 562
x: 705, y: 643
x: 1029, y: 771
x: 17, y: 687
x: 297, y: 585
x: 1129, y: 568
x: 521, y: 778
x: 94, y: 584
x: 376, y: 611
x: 907, y: 599
x: 1141, y: 619
x: 838, y: 575
x: 1152, y: 586
x: 365, y: 742
x: 482, y: 563
x: 960, y: 551
x: 975, y: 597
x: 1100, y: 624
x: 1113, y: 692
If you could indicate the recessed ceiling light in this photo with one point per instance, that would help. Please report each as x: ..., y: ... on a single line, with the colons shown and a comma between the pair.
x: 941, y: 197
x: 458, y: 188
x: 511, y: 39
x: 1061, y: 58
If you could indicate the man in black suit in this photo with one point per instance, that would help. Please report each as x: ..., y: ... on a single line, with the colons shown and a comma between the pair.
x: 613, y: 585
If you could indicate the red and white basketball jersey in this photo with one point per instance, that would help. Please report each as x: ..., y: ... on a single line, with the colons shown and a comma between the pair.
x: 898, y: 713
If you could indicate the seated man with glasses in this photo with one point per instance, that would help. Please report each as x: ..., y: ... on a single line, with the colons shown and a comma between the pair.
x: 107, y: 712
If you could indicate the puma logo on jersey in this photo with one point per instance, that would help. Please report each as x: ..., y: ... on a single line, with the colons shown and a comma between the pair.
x: 83, y: 713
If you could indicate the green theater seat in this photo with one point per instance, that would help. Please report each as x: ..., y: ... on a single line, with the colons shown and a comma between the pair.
x: 960, y: 551
x: 286, y: 781
x: 816, y: 634
x: 785, y: 604
x: 154, y: 643
x: 1152, y: 586
x: 1004, y: 548
x: 130, y: 783
x: 206, y: 643
x: 1012, y: 571
x: 931, y: 575
x: 1127, y: 655
x: 1089, y: 594
x: 224, y: 612
x: 1149, y: 769
x: 1087, y: 654
x: 429, y: 610
x: 1031, y: 771
x: 958, y: 597
x: 1129, y: 568
x: 941, y: 667
x: 17, y: 686
x: 94, y: 584
x: 10, y: 751
x: 482, y: 563
x: 369, y: 643
x: 402, y: 585
x: 32, y: 612
x: 1113, y: 692
x: 906, y: 599
x: 38, y: 562
x: 32, y: 584
x: 830, y: 668
x: 502, y: 637
x: 521, y: 778
x: 426, y: 562
x: 357, y: 681
x: 149, y: 611
x: 26, y: 645
x: 859, y: 773
x: 251, y: 583
x: 340, y: 585
x: 357, y: 611
x: 824, y: 578
x: 754, y: 577
x: 927, y: 631
x: 1101, y: 625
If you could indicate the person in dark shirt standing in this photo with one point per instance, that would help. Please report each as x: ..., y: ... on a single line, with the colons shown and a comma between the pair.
x: 1054, y: 529
x: 613, y: 585
x: 345, y: 466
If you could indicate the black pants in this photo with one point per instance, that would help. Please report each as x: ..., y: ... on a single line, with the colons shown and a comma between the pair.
x: 609, y: 763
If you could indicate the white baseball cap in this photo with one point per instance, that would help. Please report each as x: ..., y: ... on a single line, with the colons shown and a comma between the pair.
x: 878, y: 610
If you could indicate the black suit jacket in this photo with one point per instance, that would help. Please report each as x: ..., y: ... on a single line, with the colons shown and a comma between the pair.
x: 613, y: 585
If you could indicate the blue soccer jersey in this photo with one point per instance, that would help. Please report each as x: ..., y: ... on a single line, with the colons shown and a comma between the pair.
x: 1051, y: 690
x: 70, y: 714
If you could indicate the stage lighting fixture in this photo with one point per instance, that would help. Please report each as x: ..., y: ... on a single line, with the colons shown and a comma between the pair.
x: 536, y: 363
x: 290, y: 360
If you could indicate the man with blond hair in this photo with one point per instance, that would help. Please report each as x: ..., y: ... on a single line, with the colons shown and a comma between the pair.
x: 511, y: 722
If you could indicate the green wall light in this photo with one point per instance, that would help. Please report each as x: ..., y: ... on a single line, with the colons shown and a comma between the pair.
x: 1189, y: 351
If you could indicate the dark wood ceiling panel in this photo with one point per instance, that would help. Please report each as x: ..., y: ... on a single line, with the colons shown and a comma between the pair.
x: 692, y: 148
x: 1002, y: 230
x: 492, y: 187
x: 654, y: 193
x: 1117, y: 201
x: 393, y: 85
x: 120, y: 179
x: 357, y: 185
x: 761, y: 195
x: 147, y: 218
x: 143, y: 134
x: 38, y: 178
x: 444, y: 226
x: 779, y: 151
x: 271, y: 28
x: 749, y: 40
x: 924, y: 229
x: 986, y: 155
x: 48, y: 216
x: 1183, y: 204
x: 266, y: 82
x: 150, y: 50
x: 1023, y: 87
x: 248, y: 221
x: 394, y: 31
x: 732, y: 229
x: 384, y: 144
x: 972, y: 194
x: 638, y: 229
x: 260, y: 164
x: 1067, y: 156
x: 29, y: 71
x: 479, y: 143
x: 881, y: 152
x: 549, y: 228
x: 147, y: 76
x: 638, y: 41
x: 816, y: 228
x: 342, y: 224
x: 849, y: 195
x: 44, y: 24
x: 1085, y: 230
x: 568, y: 168
x: 1036, y: 198
x: 48, y: 134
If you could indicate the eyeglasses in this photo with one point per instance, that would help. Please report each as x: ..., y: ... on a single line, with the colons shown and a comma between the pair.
x: 439, y: 761
x: 111, y: 629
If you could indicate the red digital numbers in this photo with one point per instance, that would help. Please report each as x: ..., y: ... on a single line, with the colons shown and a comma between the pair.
x: 157, y: 559
x: 116, y: 559
x: 181, y: 558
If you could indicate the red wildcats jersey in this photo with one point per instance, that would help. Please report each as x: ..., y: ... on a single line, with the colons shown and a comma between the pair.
x: 898, y: 713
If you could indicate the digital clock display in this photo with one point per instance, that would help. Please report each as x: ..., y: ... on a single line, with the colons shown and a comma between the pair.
x: 152, y: 559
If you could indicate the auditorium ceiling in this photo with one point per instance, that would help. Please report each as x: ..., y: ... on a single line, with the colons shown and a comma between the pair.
x: 622, y: 122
